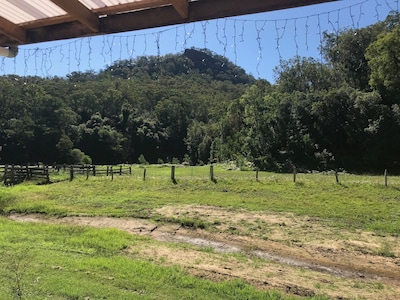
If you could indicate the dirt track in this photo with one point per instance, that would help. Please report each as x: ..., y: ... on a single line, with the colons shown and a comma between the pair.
x: 298, y: 255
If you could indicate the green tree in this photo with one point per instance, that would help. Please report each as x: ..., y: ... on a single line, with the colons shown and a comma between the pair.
x: 260, y: 118
x: 101, y: 141
x: 333, y: 123
x: 198, y: 143
x: 303, y: 75
x: 64, y: 147
x: 345, y: 51
x: 384, y: 60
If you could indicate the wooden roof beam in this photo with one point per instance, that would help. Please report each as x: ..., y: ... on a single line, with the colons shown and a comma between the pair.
x: 182, y: 7
x: 12, y: 31
x: 130, y: 6
x: 80, y: 12
x: 199, y: 11
x: 138, y: 17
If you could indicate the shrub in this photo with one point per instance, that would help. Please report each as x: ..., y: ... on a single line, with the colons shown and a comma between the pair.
x: 87, y: 160
x: 79, y: 157
x: 142, y: 160
x: 175, y: 161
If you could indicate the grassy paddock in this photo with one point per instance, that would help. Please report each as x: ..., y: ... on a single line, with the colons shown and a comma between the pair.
x: 358, y: 202
x: 72, y: 262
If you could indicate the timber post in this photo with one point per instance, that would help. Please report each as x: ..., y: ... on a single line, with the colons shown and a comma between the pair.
x: 173, y: 173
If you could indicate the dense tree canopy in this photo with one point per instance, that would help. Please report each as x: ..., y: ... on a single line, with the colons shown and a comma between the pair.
x: 384, y: 61
x: 199, y: 107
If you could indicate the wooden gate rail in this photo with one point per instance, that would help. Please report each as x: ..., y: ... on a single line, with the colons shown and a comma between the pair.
x: 14, y: 174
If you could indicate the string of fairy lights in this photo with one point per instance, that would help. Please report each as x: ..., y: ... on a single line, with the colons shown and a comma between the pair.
x: 241, y: 40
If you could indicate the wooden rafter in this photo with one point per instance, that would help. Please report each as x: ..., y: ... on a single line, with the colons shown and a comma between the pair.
x: 82, y: 14
x: 12, y: 31
x: 182, y: 7
x: 81, y: 21
x: 198, y: 11
x: 132, y: 6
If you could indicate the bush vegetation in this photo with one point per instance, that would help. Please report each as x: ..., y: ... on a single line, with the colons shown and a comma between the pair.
x: 198, y: 107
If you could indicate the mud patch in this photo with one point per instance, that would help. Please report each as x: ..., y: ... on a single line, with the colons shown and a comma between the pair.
x: 298, y: 255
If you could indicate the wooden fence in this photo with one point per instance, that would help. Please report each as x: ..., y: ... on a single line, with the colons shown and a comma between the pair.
x: 92, y: 170
x: 13, y: 174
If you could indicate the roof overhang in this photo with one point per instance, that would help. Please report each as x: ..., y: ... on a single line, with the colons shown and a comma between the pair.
x: 34, y: 21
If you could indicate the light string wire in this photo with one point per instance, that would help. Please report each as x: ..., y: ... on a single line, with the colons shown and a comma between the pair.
x: 73, y: 53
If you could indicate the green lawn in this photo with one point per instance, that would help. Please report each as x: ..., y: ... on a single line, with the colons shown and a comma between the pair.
x: 359, y: 202
x: 71, y: 262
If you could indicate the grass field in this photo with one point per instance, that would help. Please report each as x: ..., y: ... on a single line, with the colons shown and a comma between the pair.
x: 69, y: 262
x: 50, y: 261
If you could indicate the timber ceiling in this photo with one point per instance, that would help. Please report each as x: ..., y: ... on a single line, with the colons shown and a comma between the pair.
x: 34, y: 21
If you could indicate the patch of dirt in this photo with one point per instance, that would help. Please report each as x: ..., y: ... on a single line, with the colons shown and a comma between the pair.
x: 298, y: 255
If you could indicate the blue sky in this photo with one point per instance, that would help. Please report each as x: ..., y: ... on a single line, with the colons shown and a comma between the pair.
x: 255, y: 42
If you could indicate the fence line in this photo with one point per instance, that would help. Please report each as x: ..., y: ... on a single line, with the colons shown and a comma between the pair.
x: 98, y: 170
x: 13, y: 174
x: 213, y: 173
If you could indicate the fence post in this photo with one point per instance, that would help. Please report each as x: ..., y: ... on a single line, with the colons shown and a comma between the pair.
x: 112, y: 173
x: 256, y: 174
x: 5, y: 173
x: 107, y: 171
x: 12, y: 174
x: 337, y: 176
x: 120, y: 170
x: 87, y: 172
x: 130, y: 170
x: 173, y: 173
x: 94, y: 170
x: 144, y: 174
x: 212, y: 173
x: 71, y: 173
x: 294, y: 174
x: 385, y: 175
x: 47, y: 174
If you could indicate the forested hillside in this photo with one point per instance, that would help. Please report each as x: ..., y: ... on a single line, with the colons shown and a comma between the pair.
x: 196, y: 106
